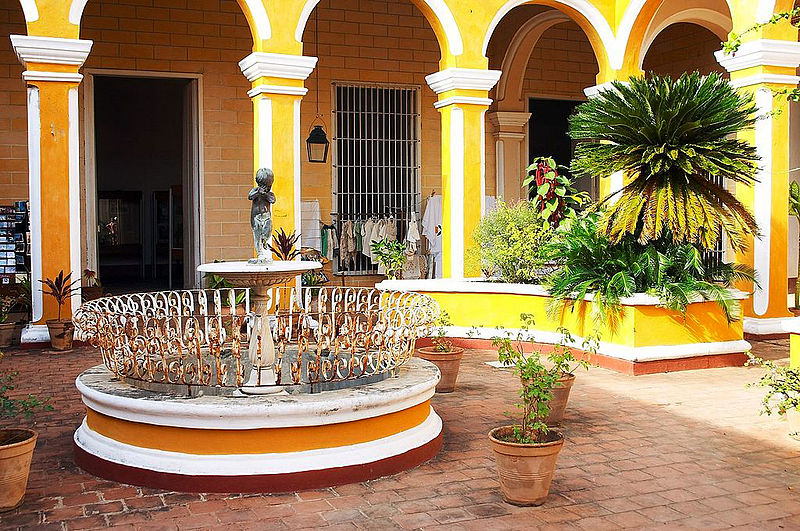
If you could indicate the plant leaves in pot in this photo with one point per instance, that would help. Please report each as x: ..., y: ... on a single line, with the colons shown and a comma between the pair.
x: 61, y: 289
x: 443, y: 354
x: 16, y: 443
x: 7, y: 329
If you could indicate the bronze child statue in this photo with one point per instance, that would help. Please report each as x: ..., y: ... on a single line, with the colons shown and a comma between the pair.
x: 261, y: 215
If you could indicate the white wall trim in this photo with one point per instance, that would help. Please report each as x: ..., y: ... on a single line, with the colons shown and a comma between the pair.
x: 778, y: 79
x: 33, y: 333
x: 35, y: 198
x: 764, y: 10
x: 260, y: 18
x: 52, y: 50
x: 38, y: 75
x: 30, y: 10
x: 264, y: 132
x: 762, y: 200
x: 277, y: 89
x: 255, y: 464
x: 761, y: 52
x: 773, y: 325
x: 500, y: 168
x: 462, y: 100
x: 74, y: 196
x: 483, y: 165
x: 264, y: 64
x: 297, y: 170
x: 456, y: 193
x: 454, y: 78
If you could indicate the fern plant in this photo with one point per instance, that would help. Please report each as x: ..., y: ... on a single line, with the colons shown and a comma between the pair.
x: 678, y: 274
x: 674, y: 140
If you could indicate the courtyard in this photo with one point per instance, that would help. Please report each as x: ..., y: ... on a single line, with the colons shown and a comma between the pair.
x: 673, y: 450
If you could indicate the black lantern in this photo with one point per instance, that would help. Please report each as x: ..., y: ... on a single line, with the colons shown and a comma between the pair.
x: 317, y: 145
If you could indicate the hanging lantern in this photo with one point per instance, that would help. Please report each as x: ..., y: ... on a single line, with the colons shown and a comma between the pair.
x: 317, y: 145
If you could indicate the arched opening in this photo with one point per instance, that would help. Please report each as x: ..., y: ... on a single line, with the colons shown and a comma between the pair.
x: 683, y: 47
x: 385, y: 161
x: 168, y: 129
x: 547, y: 61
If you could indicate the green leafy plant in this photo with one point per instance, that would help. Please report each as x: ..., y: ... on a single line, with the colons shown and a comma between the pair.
x: 391, y: 254
x: 439, y: 338
x: 678, y: 274
x: 218, y: 282
x: 675, y: 141
x: 13, y: 407
x: 794, y: 210
x: 7, y: 303
x: 511, y: 241
x: 782, y: 384
x: 61, y: 289
x: 536, y: 378
x: 554, y: 196
x: 283, y: 245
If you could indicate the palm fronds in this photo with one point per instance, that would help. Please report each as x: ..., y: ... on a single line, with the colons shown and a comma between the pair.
x: 674, y: 140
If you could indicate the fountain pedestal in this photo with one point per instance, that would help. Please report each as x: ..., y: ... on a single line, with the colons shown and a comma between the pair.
x: 259, y: 276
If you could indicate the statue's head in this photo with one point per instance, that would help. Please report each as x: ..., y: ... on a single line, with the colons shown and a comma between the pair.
x: 264, y: 177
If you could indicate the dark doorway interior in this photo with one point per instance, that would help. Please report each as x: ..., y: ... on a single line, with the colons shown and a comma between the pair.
x: 140, y: 164
x: 547, y: 135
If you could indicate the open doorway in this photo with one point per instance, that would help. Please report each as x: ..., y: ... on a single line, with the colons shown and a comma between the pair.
x: 145, y: 179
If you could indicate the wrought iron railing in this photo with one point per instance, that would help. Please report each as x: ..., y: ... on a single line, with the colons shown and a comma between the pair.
x: 198, y: 341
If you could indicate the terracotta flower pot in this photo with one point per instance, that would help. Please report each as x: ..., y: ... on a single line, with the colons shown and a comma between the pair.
x: 90, y: 293
x: 61, y: 333
x: 558, y: 404
x: 16, y: 451
x: 448, y: 363
x: 525, y: 470
x: 7, y: 334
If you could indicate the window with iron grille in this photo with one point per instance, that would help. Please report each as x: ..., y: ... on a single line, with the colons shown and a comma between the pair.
x: 376, y: 159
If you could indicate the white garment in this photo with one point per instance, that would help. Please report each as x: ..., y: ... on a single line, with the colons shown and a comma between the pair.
x: 432, y: 230
x: 310, y: 234
x: 366, y: 234
x: 412, y: 235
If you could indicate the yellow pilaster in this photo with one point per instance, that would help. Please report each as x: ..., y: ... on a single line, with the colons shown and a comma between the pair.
x: 462, y: 103
x: 53, y: 158
x: 765, y: 67
x: 277, y: 139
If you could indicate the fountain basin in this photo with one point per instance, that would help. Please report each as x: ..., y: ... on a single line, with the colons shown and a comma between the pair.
x: 245, y: 274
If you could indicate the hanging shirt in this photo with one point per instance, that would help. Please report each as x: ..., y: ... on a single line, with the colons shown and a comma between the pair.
x: 412, y: 235
x: 358, y: 226
x: 366, y: 234
x: 432, y: 230
x: 347, y: 244
x: 391, y: 228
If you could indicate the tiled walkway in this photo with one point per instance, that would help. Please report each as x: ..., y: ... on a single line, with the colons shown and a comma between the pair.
x: 681, y: 450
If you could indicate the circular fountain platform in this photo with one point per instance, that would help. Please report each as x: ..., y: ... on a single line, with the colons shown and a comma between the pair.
x: 266, y: 443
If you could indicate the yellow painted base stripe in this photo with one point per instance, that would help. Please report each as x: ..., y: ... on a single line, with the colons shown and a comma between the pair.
x: 257, y: 441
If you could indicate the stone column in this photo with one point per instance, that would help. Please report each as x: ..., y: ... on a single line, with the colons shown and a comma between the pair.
x: 52, y: 78
x: 278, y: 142
x: 766, y: 67
x: 511, y: 153
x: 463, y: 100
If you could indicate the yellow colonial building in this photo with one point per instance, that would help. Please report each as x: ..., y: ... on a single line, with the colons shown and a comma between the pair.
x: 133, y: 127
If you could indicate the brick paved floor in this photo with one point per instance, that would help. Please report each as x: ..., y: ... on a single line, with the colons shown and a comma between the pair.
x: 681, y: 450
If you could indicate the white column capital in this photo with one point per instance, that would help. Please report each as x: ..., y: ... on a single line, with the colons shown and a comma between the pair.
x: 462, y: 79
x: 595, y: 90
x: 509, y: 121
x: 761, y: 52
x: 51, y: 50
x: 286, y: 66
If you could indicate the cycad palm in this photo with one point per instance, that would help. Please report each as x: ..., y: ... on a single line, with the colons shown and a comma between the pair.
x: 672, y: 139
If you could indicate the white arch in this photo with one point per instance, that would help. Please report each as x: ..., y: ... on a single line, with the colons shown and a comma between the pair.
x: 765, y: 10
x: 585, y: 8
x: 540, y: 23
x: 439, y: 8
x: 713, y: 21
x: 257, y: 11
x: 30, y: 10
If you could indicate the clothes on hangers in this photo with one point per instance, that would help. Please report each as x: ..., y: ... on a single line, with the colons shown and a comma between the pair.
x: 366, y: 235
x: 412, y: 235
x: 391, y: 228
x: 432, y: 230
x: 347, y: 243
x: 330, y: 241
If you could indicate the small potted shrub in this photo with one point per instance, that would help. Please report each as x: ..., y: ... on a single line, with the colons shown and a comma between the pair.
x: 565, y: 365
x: 92, y: 287
x: 444, y: 355
x: 7, y: 329
x: 391, y: 254
x: 61, y: 289
x: 526, y: 453
x: 16, y: 444
x: 783, y: 392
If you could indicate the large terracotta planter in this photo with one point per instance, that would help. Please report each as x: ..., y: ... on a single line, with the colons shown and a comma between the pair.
x: 525, y: 470
x: 16, y: 451
x: 61, y: 333
x: 448, y: 363
x: 90, y: 293
x: 558, y: 404
x: 7, y: 331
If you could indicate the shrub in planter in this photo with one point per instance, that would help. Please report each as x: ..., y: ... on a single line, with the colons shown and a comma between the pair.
x: 444, y: 355
x: 16, y: 443
x: 7, y: 329
x: 391, y: 254
x: 783, y: 391
x: 511, y: 240
x: 61, y: 289
x: 526, y: 453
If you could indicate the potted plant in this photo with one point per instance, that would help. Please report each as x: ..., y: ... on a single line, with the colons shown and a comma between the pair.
x: 565, y: 365
x: 61, y: 289
x: 391, y: 254
x: 16, y: 444
x: 7, y: 328
x: 92, y: 287
x: 443, y: 354
x: 783, y: 392
x: 526, y: 453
